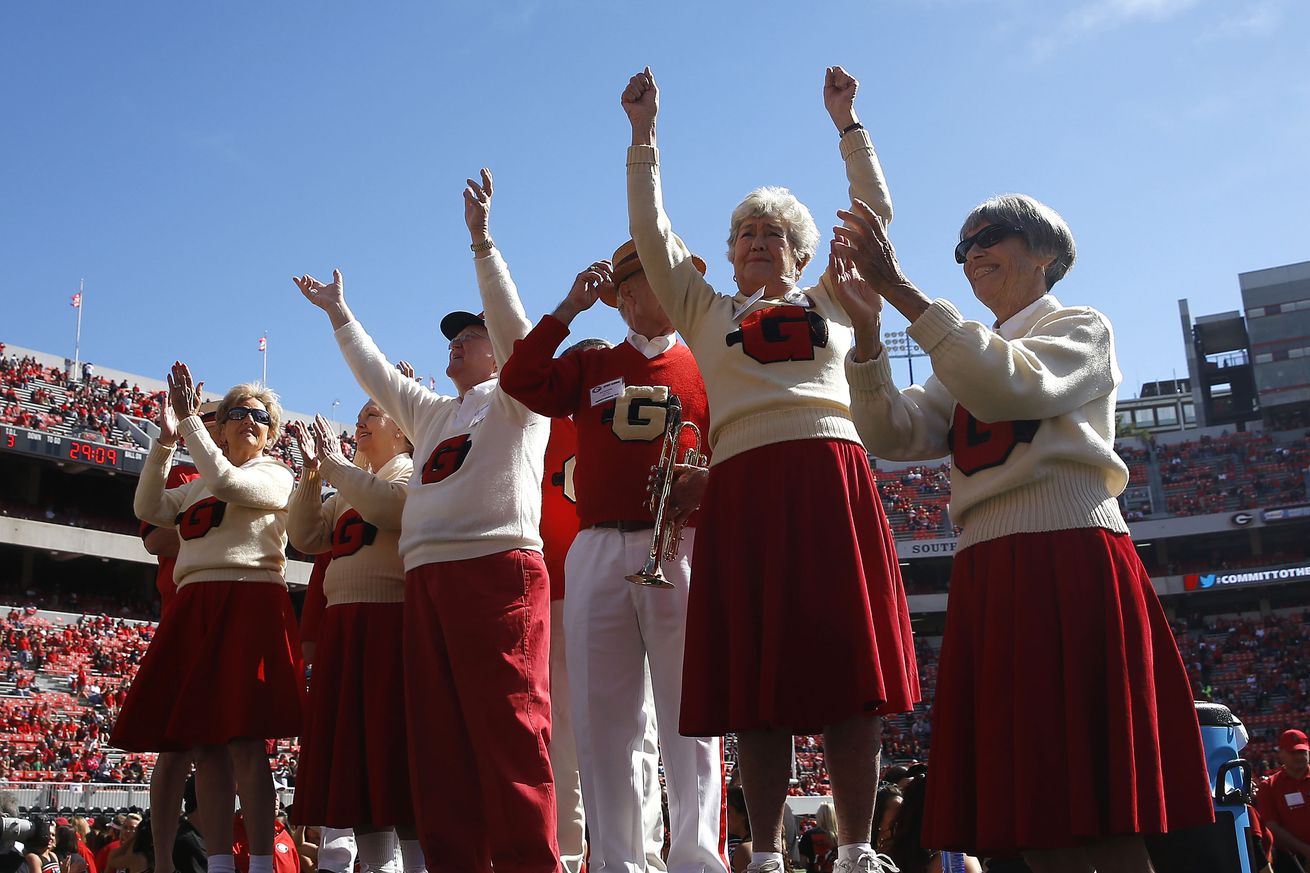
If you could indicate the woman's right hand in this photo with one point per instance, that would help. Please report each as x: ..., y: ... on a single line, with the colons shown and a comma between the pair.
x: 863, y: 305
x: 308, y: 443
x: 167, y: 422
x: 641, y: 101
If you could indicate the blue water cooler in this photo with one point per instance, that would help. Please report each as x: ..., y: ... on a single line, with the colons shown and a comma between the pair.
x: 1225, y: 846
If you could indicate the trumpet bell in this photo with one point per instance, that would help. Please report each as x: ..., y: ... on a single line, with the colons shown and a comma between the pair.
x: 649, y: 580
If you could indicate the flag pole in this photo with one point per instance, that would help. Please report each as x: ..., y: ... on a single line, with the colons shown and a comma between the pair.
x: 77, y: 338
x: 263, y: 379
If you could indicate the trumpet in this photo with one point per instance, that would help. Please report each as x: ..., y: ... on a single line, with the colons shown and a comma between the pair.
x: 668, y: 532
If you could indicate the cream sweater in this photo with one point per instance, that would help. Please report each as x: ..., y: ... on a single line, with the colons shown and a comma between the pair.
x: 1039, y: 452
x: 359, y: 524
x: 232, y: 520
x: 476, y: 488
x: 771, y: 376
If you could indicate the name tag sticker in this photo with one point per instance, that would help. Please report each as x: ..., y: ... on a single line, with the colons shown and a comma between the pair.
x: 1293, y: 799
x: 607, y: 391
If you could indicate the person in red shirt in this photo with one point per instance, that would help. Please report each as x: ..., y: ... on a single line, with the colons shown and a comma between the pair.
x: 619, y: 399
x: 1284, y: 803
x: 286, y: 857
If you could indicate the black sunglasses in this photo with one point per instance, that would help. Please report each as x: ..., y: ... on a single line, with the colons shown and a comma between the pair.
x: 985, y: 238
x: 241, y: 413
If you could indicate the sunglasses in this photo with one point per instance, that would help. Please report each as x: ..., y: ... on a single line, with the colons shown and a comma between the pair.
x: 241, y: 413
x: 985, y: 238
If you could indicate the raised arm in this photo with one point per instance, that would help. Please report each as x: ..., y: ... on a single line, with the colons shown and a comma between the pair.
x: 309, y: 523
x: 379, y: 501
x: 533, y: 375
x: 506, y: 319
x: 907, y: 425
x: 153, y: 503
x: 402, y: 398
x: 863, y: 171
x: 683, y: 293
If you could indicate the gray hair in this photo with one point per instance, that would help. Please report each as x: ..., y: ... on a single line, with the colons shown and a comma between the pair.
x: 1044, y: 230
x: 587, y: 344
x: 782, y: 206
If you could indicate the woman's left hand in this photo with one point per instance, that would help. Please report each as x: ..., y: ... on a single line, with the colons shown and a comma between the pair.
x: 329, y: 446
x: 477, y: 208
x: 182, y: 395
x: 839, y: 89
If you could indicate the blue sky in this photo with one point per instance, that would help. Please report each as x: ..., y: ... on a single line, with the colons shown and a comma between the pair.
x: 187, y: 159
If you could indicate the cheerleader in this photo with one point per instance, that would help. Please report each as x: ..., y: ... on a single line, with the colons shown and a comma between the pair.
x: 223, y: 673
x: 353, y: 770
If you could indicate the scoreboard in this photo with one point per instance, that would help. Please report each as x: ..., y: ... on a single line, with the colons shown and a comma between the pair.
x: 20, y: 440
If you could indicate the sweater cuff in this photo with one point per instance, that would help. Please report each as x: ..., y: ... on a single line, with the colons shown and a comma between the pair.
x: 548, y: 333
x: 874, y: 374
x: 330, y: 464
x: 349, y: 334
x: 643, y: 154
x: 189, y: 426
x: 160, y: 454
x: 936, y: 323
x: 852, y: 143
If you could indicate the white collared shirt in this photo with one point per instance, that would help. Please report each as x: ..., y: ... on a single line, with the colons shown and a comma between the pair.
x: 652, y: 348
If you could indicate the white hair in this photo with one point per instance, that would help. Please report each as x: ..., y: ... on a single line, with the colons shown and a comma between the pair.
x: 1043, y: 229
x: 782, y: 206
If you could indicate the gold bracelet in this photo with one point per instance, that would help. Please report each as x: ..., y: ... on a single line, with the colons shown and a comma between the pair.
x: 485, y: 246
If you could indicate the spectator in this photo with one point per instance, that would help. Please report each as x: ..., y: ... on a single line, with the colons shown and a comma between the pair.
x: 1284, y: 804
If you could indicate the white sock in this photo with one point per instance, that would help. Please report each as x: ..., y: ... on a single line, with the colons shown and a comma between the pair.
x: 412, y: 853
x: 376, y: 850
x: 848, y: 852
x: 222, y: 863
x: 760, y: 857
x: 261, y: 864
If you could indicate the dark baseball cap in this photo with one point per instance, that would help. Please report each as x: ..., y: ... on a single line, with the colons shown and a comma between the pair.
x: 456, y: 321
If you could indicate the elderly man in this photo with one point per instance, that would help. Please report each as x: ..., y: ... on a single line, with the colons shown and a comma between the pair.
x: 619, y: 398
x: 477, y: 608
x: 1284, y: 803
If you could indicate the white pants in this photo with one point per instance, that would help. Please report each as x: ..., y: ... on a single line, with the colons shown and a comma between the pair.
x: 613, y: 629
x: 570, y: 825
x: 336, y: 850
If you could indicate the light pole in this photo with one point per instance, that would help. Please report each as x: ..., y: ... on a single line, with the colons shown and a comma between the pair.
x: 898, y: 344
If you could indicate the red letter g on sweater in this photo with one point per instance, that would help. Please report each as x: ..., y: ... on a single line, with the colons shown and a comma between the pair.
x: 200, y: 518
x: 781, y: 333
x: 446, y: 458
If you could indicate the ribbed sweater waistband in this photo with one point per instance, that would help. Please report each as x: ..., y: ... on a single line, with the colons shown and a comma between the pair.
x: 232, y: 574
x: 780, y: 426
x: 338, y: 592
x: 1067, y: 496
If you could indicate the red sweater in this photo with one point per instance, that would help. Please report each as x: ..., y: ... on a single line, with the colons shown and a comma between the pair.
x: 616, y: 446
x: 164, y: 584
x: 559, y: 511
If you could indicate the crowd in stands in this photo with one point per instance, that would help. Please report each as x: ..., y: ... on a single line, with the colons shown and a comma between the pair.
x: 915, y: 499
x: 1232, y: 471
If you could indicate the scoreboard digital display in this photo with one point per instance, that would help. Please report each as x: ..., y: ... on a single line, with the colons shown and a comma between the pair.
x: 70, y: 449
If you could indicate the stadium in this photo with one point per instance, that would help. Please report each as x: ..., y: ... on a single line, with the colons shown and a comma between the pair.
x: 1217, y: 503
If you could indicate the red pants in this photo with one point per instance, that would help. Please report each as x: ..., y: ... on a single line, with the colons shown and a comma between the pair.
x: 477, y: 704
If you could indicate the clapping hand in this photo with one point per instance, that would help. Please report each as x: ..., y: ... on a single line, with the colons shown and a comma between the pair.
x: 477, y: 208
x: 863, y: 241
x: 839, y: 89
x: 862, y: 304
x: 329, y: 447
x: 309, y: 448
x: 641, y: 101
x: 183, y: 397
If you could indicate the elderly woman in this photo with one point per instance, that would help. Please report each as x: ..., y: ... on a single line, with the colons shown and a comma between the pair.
x: 792, y: 532
x: 223, y: 672
x: 1063, y: 724
x: 353, y: 770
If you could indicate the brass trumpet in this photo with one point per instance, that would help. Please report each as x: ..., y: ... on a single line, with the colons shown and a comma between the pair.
x: 668, y: 532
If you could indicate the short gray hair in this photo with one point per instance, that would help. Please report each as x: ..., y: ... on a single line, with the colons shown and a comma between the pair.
x: 782, y: 206
x: 1044, y: 230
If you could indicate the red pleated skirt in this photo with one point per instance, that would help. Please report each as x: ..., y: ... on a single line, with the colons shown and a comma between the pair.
x: 797, y: 616
x: 1063, y: 712
x: 225, y: 664
x: 354, y: 762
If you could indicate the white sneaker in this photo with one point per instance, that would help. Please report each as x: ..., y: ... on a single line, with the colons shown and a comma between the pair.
x: 867, y: 862
x: 769, y: 866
